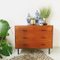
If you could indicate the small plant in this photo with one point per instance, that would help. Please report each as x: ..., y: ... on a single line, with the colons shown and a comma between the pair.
x: 45, y: 13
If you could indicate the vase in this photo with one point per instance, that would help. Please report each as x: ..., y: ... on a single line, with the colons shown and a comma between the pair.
x: 32, y: 22
x: 45, y: 21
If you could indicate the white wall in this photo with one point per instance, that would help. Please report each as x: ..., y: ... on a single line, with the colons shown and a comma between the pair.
x: 15, y: 12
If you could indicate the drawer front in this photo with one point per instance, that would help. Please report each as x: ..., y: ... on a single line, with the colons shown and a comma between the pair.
x: 43, y: 38
x: 35, y: 45
x: 24, y: 31
x: 45, y: 44
x: 38, y: 31
x: 45, y: 28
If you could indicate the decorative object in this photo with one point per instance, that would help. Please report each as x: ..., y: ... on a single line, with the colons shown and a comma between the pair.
x: 37, y: 17
x: 35, y: 20
x: 31, y: 54
x: 44, y: 14
x: 40, y: 17
x: 30, y: 20
x: 5, y: 47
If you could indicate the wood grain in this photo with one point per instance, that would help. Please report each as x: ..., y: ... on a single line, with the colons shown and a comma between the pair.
x: 33, y: 36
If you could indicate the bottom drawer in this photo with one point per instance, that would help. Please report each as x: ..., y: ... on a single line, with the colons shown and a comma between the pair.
x: 45, y: 45
x: 34, y: 45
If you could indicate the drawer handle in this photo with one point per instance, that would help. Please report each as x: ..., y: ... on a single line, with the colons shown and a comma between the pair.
x: 24, y: 44
x: 43, y: 37
x: 24, y: 37
x: 43, y: 44
x: 24, y: 30
x: 43, y: 30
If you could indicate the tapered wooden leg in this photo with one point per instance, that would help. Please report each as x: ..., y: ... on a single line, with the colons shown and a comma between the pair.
x: 18, y: 51
x: 49, y: 51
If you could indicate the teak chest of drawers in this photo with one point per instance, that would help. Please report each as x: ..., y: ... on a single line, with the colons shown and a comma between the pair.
x: 33, y: 36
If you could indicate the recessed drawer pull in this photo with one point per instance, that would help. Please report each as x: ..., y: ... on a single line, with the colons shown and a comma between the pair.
x: 43, y: 30
x: 24, y: 30
x: 43, y: 44
x: 24, y: 37
x: 24, y: 44
x: 43, y: 37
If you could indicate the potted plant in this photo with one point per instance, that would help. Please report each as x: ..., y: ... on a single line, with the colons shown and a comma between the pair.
x: 5, y: 47
x: 44, y: 14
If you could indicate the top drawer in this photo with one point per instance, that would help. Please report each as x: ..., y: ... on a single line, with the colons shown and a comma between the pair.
x: 33, y: 29
x: 24, y: 29
x: 45, y: 28
x: 21, y: 28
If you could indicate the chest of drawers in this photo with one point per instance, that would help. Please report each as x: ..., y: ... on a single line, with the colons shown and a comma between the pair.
x: 33, y: 36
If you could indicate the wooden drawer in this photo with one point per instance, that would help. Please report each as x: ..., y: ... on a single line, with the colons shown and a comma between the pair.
x: 45, y: 45
x: 43, y: 37
x: 35, y: 45
x: 24, y: 31
x: 32, y: 36
x: 45, y: 28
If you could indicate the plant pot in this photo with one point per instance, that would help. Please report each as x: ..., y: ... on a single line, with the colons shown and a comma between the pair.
x: 44, y: 23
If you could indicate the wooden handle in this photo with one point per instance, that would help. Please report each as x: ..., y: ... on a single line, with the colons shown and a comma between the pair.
x: 43, y: 30
x: 24, y: 37
x: 24, y: 30
x: 43, y: 44
x: 24, y: 44
x: 43, y: 37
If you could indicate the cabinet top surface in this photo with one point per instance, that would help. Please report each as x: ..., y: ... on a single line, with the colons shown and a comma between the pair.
x: 33, y: 25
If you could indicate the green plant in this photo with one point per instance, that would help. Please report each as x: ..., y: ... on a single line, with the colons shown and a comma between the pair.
x: 45, y: 12
x: 4, y: 27
x: 5, y: 47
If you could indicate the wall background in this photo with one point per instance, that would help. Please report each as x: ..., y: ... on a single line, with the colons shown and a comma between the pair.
x: 15, y: 12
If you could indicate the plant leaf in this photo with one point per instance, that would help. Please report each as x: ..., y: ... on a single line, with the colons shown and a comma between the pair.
x: 6, y: 49
x: 44, y: 13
